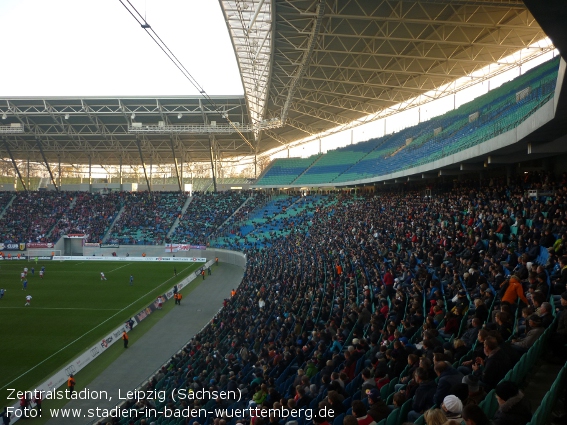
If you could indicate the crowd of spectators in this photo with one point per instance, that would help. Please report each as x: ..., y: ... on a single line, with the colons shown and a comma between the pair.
x: 89, y: 214
x: 205, y: 213
x: 421, y: 295
x: 256, y: 201
x: 267, y: 221
x: 147, y: 217
x: 32, y: 215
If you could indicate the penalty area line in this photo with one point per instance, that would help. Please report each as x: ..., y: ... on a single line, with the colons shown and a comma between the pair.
x: 86, y: 333
x: 118, y: 268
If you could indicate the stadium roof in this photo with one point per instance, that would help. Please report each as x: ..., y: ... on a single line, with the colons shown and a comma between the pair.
x: 106, y: 129
x: 313, y: 65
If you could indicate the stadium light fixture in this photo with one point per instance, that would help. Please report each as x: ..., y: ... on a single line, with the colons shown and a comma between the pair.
x: 179, y: 116
x: 133, y: 115
x: 66, y: 116
x: 4, y: 116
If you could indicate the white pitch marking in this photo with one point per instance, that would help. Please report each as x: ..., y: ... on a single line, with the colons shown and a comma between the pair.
x: 66, y: 308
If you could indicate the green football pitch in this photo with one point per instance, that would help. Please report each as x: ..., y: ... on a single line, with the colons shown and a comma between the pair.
x: 71, y: 309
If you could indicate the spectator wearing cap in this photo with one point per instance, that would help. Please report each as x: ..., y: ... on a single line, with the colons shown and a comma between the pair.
x: 461, y: 301
x: 408, y: 346
x: 494, y: 367
x: 536, y: 330
x: 513, y: 407
x: 476, y: 392
x: 453, y: 407
x: 378, y: 408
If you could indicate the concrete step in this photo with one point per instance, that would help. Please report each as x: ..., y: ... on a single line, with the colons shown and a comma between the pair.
x: 539, y: 381
x: 176, y: 222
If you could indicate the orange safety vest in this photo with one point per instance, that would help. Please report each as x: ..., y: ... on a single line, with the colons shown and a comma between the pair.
x: 124, y: 336
x: 70, y: 382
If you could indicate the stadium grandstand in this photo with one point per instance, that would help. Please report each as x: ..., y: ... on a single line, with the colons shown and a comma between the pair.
x: 417, y: 276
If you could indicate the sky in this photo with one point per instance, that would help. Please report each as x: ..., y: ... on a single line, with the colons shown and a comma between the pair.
x: 96, y: 48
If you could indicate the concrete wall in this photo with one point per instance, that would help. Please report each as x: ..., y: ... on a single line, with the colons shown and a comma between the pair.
x: 224, y: 255
x: 222, y: 187
x: 7, y: 187
x: 96, y: 187
x: 156, y: 187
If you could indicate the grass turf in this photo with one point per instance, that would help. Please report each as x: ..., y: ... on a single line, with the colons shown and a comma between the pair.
x: 71, y: 310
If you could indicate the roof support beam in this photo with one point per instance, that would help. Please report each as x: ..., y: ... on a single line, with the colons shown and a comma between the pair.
x: 320, y: 11
x: 38, y: 142
x: 143, y: 165
x: 211, y: 143
x: 175, y: 163
x: 211, y: 140
x: 7, y: 146
x: 254, y: 17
